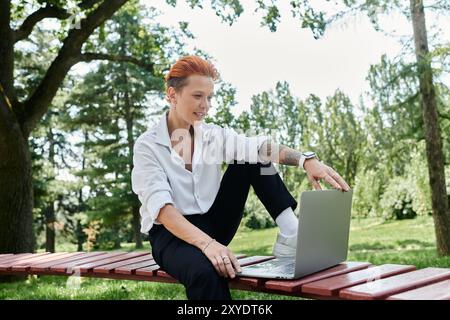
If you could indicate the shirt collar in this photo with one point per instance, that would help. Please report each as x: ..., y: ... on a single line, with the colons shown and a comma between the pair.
x: 162, y: 131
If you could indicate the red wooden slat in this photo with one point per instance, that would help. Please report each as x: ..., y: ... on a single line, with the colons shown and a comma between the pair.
x: 295, y: 285
x: 109, y: 267
x: 86, y: 267
x: 130, y: 269
x: 386, y: 287
x: 5, y: 255
x: 252, y: 282
x: 22, y: 256
x: 436, y: 291
x: 6, y: 265
x: 147, y: 271
x: 163, y: 274
x: 24, y: 266
x: 331, y: 286
x: 15, y: 257
x: 66, y: 267
x: 75, y: 256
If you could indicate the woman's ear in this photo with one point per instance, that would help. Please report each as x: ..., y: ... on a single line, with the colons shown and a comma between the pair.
x: 170, y: 97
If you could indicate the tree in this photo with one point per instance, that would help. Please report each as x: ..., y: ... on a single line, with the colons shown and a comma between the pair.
x: 48, y: 146
x: 342, y: 137
x: 435, y: 155
x: 393, y: 120
x: 19, y: 117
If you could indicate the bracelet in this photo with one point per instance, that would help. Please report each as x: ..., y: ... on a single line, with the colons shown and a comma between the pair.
x: 210, y: 241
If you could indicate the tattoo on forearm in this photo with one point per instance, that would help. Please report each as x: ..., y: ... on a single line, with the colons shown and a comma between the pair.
x: 279, y: 153
x: 291, y: 157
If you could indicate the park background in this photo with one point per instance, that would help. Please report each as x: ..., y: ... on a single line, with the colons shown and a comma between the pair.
x: 341, y: 78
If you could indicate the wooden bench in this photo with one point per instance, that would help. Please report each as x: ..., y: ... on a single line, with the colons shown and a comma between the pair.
x: 348, y: 280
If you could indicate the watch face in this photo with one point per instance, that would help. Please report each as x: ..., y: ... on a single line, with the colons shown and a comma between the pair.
x: 309, y: 154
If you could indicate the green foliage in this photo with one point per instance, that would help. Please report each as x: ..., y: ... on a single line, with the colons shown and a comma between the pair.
x: 378, y: 195
x: 340, y: 137
x: 402, y: 196
x: 443, y: 103
x: 368, y: 188
x: 255, y: 215
x: 271, y: 17
x: 397, y: 199
x: 418, y: 173
x: 227, y: 10
x: 309, y: 17
x: 224, y: 101
x: 111, y: 237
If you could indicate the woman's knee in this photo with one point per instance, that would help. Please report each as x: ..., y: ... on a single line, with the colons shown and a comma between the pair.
x: 204, y: 273
x: 206, y: 283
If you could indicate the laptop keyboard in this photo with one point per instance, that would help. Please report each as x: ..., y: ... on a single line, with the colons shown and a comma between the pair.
x: 283, y: 266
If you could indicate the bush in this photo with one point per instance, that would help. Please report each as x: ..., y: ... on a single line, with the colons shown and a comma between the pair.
x: 368, y: 189
x: 255, y: 215
x: 418, y: 171
x: 397, y: 199
x: 400, y: 197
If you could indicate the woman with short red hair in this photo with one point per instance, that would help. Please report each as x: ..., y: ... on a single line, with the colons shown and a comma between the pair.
x: 189, y: 210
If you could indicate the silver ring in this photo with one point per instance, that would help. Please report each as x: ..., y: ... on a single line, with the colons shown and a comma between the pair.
x: 223, y: 258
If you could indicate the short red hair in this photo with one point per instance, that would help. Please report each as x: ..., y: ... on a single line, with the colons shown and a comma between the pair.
x: 186, y: 66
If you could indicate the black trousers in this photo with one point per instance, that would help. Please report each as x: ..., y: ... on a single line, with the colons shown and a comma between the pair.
x: 187, y: 263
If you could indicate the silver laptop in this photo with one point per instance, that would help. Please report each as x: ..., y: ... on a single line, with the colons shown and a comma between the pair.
x: 322, y: 239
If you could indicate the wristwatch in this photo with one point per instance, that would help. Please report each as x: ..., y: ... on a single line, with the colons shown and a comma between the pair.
x: 305, y: 156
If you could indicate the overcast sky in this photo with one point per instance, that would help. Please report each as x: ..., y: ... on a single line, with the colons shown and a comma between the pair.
x: 253, y: 59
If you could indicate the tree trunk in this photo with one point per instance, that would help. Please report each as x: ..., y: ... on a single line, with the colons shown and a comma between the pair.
x: 130, y: 139
x: 16, y: 195
x: 16, y: 200
x: 435, y: 156
x: 50, y: 217
x: 81, y: 236
x: 50, y: 227
x: 137, y: 227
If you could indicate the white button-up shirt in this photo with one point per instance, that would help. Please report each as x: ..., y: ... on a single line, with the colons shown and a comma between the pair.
x: 159, y: 175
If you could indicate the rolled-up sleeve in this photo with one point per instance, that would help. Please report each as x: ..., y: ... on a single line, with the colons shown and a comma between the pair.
x: 150, y: 183
x: 242, y: 148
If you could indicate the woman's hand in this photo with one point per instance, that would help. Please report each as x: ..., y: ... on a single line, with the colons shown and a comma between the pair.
x: 316, y: 171
x: 223, y: 259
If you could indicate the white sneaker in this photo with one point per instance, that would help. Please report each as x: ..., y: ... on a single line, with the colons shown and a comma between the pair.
x: 285, y: 246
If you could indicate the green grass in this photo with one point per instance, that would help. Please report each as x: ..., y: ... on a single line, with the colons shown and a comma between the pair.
x: 404, y: 242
